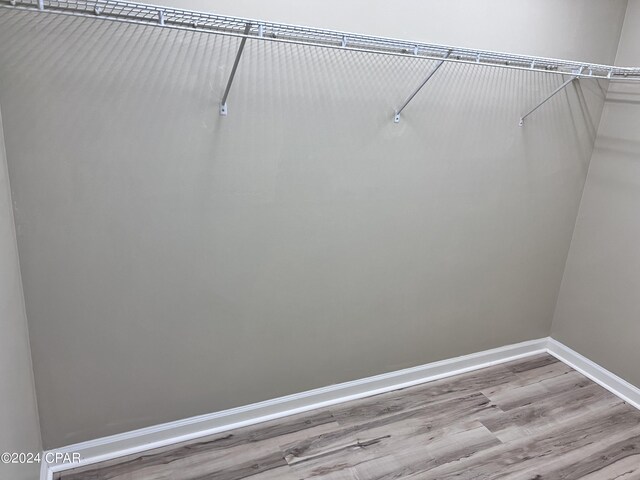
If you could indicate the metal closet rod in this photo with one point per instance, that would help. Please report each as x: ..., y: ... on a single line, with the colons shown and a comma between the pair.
x: 165, y: 17
x: 145, y: 14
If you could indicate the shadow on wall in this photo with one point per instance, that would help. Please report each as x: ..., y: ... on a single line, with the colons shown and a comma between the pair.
x: 623, y: 99
x: 170, y: 253
x: 274, y: 77
x: 598, y: 310
x: 624, y: 147
x: 624, y: 92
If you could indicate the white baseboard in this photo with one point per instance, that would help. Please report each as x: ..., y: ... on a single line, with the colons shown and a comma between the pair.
x: 136, y: 441
x: 144, y: 439
x: 616, y: 385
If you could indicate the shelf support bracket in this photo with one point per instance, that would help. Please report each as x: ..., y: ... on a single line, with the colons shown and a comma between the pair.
x: 396, y: 117
x: 223, y: 102
x: 576, y: 75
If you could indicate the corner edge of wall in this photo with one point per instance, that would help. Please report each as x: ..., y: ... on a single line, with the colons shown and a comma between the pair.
x: 600, y: 375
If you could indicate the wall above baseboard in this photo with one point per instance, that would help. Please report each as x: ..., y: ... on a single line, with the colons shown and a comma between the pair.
x: 136, y: 441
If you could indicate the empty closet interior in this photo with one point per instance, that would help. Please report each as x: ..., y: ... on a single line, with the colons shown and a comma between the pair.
x: 219, y: 214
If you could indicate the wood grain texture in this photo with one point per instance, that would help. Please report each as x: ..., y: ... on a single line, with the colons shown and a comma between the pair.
x: 532, y: 419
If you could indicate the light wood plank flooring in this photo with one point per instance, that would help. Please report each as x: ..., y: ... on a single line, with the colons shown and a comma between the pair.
x: 531, y: 419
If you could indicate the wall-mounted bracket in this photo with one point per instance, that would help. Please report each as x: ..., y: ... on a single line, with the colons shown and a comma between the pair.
x: 130, y: 11
x: 223, y: 102
x: 396, y: 118
x: 576, y: 75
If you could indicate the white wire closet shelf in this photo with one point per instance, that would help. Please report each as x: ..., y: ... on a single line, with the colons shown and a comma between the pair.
x: 245, y: 29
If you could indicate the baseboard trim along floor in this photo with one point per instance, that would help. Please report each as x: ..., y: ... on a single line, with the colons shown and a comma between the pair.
x: 603, y: 377
x: 128, y: 443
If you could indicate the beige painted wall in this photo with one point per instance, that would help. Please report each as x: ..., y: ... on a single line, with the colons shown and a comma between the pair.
x: 19, y: 430
x: 598, y: 311
x: 176, y: 263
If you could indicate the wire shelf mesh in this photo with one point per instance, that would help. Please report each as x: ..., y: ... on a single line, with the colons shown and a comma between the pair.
x: 234, y: 26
